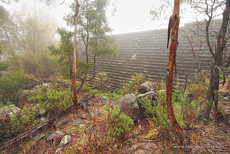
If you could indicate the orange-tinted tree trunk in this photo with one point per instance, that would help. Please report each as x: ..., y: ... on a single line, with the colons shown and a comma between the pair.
x: 75, y: 56
x: 175, y: 19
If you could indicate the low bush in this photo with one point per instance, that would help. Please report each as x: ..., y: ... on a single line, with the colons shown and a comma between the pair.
x: 10, y: 90
x: 52, y: 98
x: 20, y: 77
x: 134, y: 82
x: 17, y: 123
x: 119, y: 123
x: 102, y: 81
x: 185, y: 111
x: 158, y: 117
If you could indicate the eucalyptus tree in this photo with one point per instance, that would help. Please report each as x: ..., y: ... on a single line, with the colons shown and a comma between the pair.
x: 94, y: 33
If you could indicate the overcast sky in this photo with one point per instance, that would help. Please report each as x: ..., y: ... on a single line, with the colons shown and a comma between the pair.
x: 130, y: 15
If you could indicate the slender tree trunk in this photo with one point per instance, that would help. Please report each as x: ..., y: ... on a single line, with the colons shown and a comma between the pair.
x: 175, y: 19
x: 75, y: 57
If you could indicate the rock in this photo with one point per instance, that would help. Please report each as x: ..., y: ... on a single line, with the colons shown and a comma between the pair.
x: 87, y: 122
x: 86, y: 97
x: 104, y: 100
x: 38, y: 87
x: 58, y: 151
x: 145, y: 87
x: 56, y: 134
x: 8, y: 111
x: 83, y: 104
x: 225, y: 94
x: 42, y: 119
x: 82, y: 116
x: 65, y: 140
x: 91, y: 102
x: 81, y: 125
x: 39, y: 109
x: 61, y: 122
x: 25, y: 93
x: 92, y: 113
x: 226, y: 98
x: 151, y: 95
x: 128, y: 104
x: 39, y: 137
x: 76, y: 122
x: 96, y: 104
x: 70, y: 133
x: 212, y: 117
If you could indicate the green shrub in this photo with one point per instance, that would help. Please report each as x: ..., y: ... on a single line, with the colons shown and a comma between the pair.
x: 135, y: 81
x: 46, y: 66
x: 52, y: 98
x: 197, y: 88
x: 119, y: 123
x: 185, y: 111
x: 157, y: 113
x: 102, y: 80
x: 29, y: 64
x: 3, y: 65
x: 20, y: 77
x: 18, y: 123
x: 132, y: 84
x: 10, y: 90
x: 85, y: 88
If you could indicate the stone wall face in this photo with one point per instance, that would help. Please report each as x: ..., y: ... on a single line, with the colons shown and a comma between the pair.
x: 146, y: 52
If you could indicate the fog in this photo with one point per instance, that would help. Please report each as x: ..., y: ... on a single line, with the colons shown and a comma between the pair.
x: 129, y: 15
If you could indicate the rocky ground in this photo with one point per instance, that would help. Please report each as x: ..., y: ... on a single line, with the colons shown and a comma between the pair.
x: 86, y: 132
x: 70, y: 134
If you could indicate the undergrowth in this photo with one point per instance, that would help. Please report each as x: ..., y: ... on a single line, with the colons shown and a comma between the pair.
x: 52, y: 98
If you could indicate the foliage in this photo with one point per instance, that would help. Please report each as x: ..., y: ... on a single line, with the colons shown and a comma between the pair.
x: 133, y: 83
x: 86, y: 88
x: 18, y: 123
x: 186, y: 111
x: 52, y: 98
x: 196, y: 87
x: 94, y: 33
x: 158, y: 113
x: 64, y: 53
x: 10, y: 90
x: 120, y: 123
x: 102, y: 80
x: 46, y: 66
x: 20, y: 77
x: 29, y: 64
x: 40, y: 66
x: 3, y: 65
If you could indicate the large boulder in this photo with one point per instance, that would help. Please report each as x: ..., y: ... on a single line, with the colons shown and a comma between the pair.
x: 146, y: 87
x: 151, y: 96
x: 128, y: 104
x: 8, y: 111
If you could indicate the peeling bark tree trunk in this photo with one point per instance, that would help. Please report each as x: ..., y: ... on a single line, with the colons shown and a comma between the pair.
x: 75, y: 56
x: 175, y: 19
